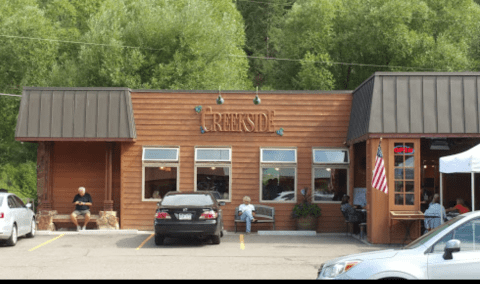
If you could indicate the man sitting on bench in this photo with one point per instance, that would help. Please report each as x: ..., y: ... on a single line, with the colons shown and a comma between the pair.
x: 82, y: 201
x: 246, y: 211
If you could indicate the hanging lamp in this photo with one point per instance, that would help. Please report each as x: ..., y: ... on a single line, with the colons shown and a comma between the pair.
x: 220, y: 100
x: 257, y: 100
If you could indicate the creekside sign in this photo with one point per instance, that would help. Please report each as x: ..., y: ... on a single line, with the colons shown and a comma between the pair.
x: 237, y: 122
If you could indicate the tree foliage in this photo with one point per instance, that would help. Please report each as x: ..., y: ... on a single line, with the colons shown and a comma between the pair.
x: 183, y: 44
x: 426, y: 35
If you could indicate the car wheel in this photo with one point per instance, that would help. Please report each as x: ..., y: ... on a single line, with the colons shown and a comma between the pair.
x: 13, y: 238
x: 159, y: 239
x: 33, y: 229
x: 216, y: 239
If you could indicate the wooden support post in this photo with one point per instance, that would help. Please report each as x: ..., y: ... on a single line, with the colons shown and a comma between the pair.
x: 108, y: 202
x: 44, y: 175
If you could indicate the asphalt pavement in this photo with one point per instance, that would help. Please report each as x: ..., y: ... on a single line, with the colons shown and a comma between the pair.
x: 134, y: 255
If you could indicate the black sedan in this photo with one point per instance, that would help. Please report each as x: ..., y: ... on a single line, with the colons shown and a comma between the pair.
x: 188, y: 214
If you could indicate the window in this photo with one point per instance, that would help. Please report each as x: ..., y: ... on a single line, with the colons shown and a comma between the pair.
x: 329, y: 174
x: 468, y: 234
x: 160, y: 154
x: 404, y: 174
x: 160, y: 172
x: 278, y: 174
x: 330, y: 156
x: 213, y: 171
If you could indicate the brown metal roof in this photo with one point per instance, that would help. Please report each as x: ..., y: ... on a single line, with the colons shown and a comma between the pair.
x: 83, y: 114
x: 416, y: 103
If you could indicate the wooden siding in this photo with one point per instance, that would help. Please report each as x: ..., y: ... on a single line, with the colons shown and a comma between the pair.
x: 78, y: 164
x: 308, y: 120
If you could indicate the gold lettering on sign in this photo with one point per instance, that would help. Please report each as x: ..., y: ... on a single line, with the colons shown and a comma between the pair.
x: 237, y: 122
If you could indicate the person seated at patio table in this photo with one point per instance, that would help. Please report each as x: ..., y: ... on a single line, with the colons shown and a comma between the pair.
x: 351, y: 215
x: 460, y: 207
x: 246, y: 211
x: 434, y: 213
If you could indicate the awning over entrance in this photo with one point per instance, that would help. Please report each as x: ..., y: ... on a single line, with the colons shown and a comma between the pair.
x: 76, y: 114
x: 412, y: 104
x: 465, y: 162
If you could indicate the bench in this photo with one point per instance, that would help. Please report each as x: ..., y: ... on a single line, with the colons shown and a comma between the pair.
x: 65, y: 218
x: 267, y: 214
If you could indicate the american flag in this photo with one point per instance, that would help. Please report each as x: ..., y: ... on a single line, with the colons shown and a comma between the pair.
x: 379, y: 180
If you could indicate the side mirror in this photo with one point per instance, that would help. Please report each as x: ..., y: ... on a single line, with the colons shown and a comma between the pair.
x: 158, y: 203
x: 451, y: 247
x: 221, y: 203
x: 29, y: 205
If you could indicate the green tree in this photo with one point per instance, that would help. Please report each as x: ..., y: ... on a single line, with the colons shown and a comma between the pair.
x: 261, y: 19
x: 427, y: 35
x: 306, y: 34
x: 410, y: 35
x: 184, y: 44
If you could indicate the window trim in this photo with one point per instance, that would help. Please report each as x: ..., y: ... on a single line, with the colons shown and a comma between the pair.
x: 156, y: 165
x: 331, y: 149
x: 275, y: 162
x: 331, y: 166
x: 160, y: 163
x: 213, y: 148
x: 159, y: 147
x: 220, y: 165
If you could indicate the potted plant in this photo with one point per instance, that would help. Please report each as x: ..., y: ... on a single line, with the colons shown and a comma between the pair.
x: 306, y: 213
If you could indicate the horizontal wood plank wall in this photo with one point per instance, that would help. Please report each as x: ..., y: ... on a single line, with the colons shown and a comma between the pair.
x: 78, y: 164
x: 308, y: 120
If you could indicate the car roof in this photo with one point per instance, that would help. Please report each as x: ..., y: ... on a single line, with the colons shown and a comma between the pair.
x: 188, y: 192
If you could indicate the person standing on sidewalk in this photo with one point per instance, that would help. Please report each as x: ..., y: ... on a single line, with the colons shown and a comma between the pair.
x: 82, y: 202
x: 246, y: 211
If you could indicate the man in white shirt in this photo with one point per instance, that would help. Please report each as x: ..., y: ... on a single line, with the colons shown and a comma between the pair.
x: 246, y: 211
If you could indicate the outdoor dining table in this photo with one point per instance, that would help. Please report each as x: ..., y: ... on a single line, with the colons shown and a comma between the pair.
x: 407, y: 219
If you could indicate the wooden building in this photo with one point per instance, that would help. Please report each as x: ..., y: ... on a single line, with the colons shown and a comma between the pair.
x: 130, y: 147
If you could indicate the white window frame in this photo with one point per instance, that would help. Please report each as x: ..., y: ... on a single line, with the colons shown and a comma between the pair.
x: 160, y: 160
x: 211, y: 148
x: 154, y: 163
x: 319, y: 165
x: 214, y: 163
x: 330, y: 149
x: 277, y: 164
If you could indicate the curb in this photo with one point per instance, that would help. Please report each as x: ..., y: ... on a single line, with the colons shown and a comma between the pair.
x: 287, y: 233
x: 91, y: 232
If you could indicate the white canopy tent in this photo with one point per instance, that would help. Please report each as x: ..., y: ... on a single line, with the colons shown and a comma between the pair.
x: 465, y: 162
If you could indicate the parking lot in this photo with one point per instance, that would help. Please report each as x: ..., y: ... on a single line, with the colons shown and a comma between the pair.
x: 134, y: 255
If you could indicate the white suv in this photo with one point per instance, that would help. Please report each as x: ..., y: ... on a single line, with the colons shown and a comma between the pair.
x: 16, y: 218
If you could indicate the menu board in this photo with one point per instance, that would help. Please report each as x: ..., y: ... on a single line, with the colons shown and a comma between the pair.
x: 360, y: 196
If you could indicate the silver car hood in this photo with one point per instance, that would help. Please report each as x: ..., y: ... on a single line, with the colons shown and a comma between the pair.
x: 365, y: 256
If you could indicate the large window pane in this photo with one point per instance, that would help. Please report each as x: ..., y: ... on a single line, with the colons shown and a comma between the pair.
x: 275, y: 156
x: 278, y: 184
x: 215, y: 179
x: 159, y: 181
x: 330, y: 184
x: 330, y: 156
x: 160, y: 154
x: 210, y: 155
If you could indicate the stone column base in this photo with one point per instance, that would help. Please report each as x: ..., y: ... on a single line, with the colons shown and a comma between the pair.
x: 45, y: 220
x: 107, y: 220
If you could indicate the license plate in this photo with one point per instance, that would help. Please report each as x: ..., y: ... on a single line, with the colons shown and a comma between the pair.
x: 184, y: 216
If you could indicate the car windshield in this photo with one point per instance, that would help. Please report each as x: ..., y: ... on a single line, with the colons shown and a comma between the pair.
x: 187, y: 200
x: 425, y: 238
x: 1, y: 200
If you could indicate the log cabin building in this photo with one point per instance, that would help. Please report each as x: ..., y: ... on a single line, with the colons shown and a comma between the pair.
x: 130, y: 147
